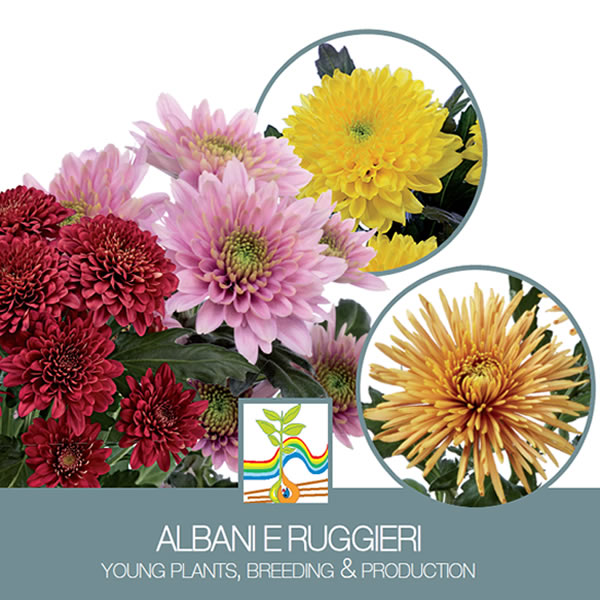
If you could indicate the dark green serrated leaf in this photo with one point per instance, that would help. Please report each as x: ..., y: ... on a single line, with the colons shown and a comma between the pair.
x: 207, y: 362
x: 291, y: 414
x: 13, y: 470
x: 182, y: 480
x: 445, y: 478
x: 292, y: 383
x: 267, y: 427
x: 470, y: 494
x: 330, y: 59
x: 271, y: 131
x: 467, y: 120
x: 515, y: 285
x: 119, y: 479
x: 224, y: 483
x: 415, y: 485
x: 105, y: 420
x: 293, y: 429
x: 274, y: 441
x: 530, y: 300
x: 271, y: 415
x: 356, y: 318
x: 385, y: 449
x: 285, y: 357
x: 153, y: 476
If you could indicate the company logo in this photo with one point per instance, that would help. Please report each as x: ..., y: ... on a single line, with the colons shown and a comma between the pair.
x: 285, y: 453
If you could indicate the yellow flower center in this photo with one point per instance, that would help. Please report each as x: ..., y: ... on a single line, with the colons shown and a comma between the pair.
x: 81, y: 208
x: 245, y: 253
x: 220, y: 146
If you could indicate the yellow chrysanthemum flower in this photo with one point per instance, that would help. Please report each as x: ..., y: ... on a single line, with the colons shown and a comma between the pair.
x: 474, y: 151
x: 373, y: 137
x: 477, y: 385
x: 401, y: 250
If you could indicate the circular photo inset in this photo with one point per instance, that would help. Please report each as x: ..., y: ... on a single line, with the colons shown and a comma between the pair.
x: 391, y: 130
x: 475, y: 386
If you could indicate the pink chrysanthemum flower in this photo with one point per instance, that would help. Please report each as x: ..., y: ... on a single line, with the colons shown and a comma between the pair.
x: 103, y: 183
x: 160, y: 418
x: 253, y: 261
x: 32, y: 211
x: 335, y: 360
x: 117, y: 270
x: 207, y: 142
x: 59, y: 456
x: 350, y: 245
x: 64, y: 363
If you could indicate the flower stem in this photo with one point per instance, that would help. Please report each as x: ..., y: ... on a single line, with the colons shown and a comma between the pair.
x: 117, y: 456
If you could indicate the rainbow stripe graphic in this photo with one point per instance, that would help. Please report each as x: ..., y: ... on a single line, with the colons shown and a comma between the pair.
x: 267, y: 469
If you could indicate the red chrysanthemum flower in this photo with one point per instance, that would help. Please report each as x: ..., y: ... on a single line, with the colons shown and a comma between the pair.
x: 58, y: 456
x: 64, y: 364
x: 27, y: 210
x: 118, y: 269
x: 32, y: 281
x: 160, y: 418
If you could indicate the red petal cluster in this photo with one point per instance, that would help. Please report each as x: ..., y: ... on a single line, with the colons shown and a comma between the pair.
x: 32, y: 282
x: 28, y: 210
x: 118, y: 270
x: 64, y: 363
x: 58, y: 456
x: 160, y: 418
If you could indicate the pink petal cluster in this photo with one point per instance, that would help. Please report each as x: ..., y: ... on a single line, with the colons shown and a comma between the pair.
x: 345, y: 243
x: 206, y: 142
x: 335, y: 360
x: 102, y: 183
x: 254, y: 261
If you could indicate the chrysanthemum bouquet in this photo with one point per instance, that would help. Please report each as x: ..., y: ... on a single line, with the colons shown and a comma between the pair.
x: 400, y: 165
x: 491, y: 384
x: 129, y: 327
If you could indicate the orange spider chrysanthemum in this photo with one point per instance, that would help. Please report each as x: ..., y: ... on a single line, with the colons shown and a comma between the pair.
x: 478, y: 385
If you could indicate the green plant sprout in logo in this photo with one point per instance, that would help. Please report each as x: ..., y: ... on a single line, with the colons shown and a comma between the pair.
x: 283, y: 489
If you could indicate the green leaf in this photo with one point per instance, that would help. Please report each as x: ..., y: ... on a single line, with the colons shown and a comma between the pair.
x: 470, y: 494
x: 356, y: 318
x: 330, y: 59
x: 105, y: 420
x: 208, y: 362
x: 291, y: 414
x: 119, y: 479
x: 267, y: 427
x: 292, y: 383
x: 271, y: 415
x: 274, y: 441
x: 224, y: 483
x: 183, y: 480
x: 415, y: 485
x: 515, y: 286
x: 271, y: 131
x: 385, y: 449
x: 13, y: 470
x: 152, y: 476
x: 445, y: 479
x: 287, y: 450
x: 467, y: 120
x: 442, y: 216
x: 293, y: 429
x: 285, y: 358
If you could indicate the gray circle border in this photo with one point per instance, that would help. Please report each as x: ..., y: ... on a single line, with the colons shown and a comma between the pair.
x: 448, y: 65
x: 366, y: 432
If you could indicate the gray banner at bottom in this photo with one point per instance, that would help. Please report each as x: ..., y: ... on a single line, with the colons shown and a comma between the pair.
x: 150, y: 544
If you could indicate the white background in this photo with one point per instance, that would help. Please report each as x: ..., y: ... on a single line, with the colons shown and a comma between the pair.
x: 76, y: 75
